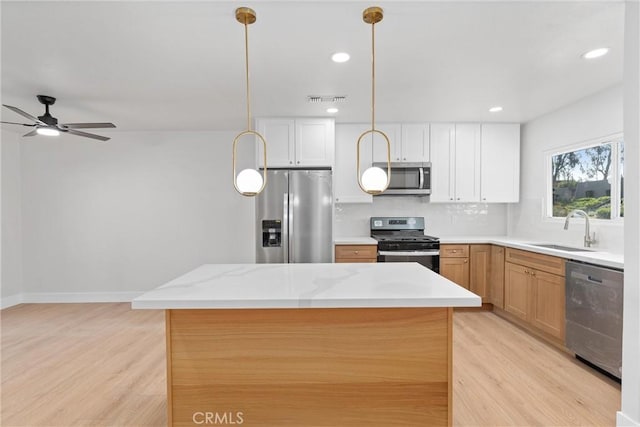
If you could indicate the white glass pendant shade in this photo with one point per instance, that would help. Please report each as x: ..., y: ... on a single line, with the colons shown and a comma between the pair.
x: 249, y: 181
x: 374, y: 179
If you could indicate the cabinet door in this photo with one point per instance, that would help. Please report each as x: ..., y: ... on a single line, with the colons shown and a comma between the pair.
x: 414, y: 145
x: 500, y: 163
x: 496, y: 276
x: 516, y: 290
x: 345, y: 181
x: 442, y: 149
x: 456, y: 270
x: 480, y: 261
x: 314, y: 142
x: 547, y: 311
x: 280, y: 136
x: 467, y: 163
x: 392, y: 130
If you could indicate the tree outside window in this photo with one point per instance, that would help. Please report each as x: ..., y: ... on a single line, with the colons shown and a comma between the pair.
x: 590, y: 179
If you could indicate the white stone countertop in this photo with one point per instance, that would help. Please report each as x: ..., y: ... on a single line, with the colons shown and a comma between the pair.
x: 256, y: 286
x: 593, y: 255
x: 355, y: 241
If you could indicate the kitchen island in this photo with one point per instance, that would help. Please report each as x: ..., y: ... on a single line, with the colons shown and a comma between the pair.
x: 309, y: 344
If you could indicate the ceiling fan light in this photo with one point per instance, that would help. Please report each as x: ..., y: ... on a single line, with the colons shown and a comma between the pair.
x: 48, y: 131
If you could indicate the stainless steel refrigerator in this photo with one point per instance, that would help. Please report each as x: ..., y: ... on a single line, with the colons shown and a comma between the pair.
x: 294, y: 217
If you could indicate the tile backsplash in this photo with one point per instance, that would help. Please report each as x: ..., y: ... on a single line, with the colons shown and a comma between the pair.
x: 441, y: 219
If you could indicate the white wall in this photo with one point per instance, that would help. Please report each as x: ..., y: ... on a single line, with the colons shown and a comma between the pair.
x: 592, y: 117
x: 441, y: 219
x: 130, y: 214
x: 630, y: 412
x: 11, y: 220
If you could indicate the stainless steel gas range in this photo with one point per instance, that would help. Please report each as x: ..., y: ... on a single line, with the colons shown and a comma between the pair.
x: 402, y: 239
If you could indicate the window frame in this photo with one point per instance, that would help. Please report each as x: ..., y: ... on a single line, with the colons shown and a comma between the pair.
x: 614, y: 140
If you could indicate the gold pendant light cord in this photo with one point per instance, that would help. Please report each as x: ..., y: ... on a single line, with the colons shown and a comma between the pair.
x: 246, y: 58
x: 373, y: 76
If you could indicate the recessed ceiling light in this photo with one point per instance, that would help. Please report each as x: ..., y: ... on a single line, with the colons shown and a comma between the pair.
x: 340, y: 57
x: 332, y: 110
x: 596, y: 53
x: 495, y: 109
x: 48, y: 131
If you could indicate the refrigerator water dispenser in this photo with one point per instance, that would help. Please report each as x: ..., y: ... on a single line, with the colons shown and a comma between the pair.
x: 271, y: 233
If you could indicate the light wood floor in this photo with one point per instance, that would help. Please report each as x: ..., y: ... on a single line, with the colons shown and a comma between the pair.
x: 104, y: 365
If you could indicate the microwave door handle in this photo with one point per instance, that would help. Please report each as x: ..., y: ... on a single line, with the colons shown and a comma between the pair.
x: 421, y: 178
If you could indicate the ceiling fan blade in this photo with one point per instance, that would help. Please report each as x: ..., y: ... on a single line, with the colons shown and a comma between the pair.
x: 87, y: 125
x: 23, y: 114
x: 32, y: 133
x: 21, y: 124
x: 86, y: 135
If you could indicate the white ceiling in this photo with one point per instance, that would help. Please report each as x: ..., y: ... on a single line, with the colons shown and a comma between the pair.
x: 180, y: 65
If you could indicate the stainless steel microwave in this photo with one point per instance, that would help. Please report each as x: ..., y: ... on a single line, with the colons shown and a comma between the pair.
x: 408, y: 179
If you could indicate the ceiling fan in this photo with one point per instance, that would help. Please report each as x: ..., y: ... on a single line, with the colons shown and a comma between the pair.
x: 48, y: 125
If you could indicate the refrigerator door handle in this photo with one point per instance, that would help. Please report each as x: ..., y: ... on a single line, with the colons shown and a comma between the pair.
x: 285, y: 227
x: 292, y: 254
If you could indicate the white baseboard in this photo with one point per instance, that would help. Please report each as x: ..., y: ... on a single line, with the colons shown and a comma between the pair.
x: 10, y: 301
x: 68, y: 297
x: 623, y: 420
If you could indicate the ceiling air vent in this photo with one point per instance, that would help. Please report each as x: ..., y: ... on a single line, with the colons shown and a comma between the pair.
x: 314, y: 99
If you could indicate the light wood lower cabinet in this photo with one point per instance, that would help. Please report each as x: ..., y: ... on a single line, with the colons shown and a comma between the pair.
x: 479, y: 270
x: 534, y: 295
x: 356, y: 253
x: 456, y: 270
x: 496, y: 276
x: 468, y: 266
x: 548, y: 303
x: 516, y: 290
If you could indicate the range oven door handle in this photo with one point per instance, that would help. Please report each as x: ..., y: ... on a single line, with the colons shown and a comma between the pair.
x: 409, y: 253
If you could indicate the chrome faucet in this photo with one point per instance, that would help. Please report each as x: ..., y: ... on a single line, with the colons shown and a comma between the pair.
x: 588, y: 238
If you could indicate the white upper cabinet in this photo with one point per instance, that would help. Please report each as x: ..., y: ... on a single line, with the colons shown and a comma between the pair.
x: 467, y: 163
x: 280, y: 137
x: 409, y: 142
x: 500, y: 163
x: 414, y: 143
x: 442, y: 136
x: 345, y: 180
x: 315, y: 140
x: 392, y: 130
x: 455, y: 162
x: 304, y: 142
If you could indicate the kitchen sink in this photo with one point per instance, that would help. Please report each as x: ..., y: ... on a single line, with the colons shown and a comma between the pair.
x: 560, y: 247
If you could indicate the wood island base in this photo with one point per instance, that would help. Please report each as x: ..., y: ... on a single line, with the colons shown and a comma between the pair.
x: 310, y: 367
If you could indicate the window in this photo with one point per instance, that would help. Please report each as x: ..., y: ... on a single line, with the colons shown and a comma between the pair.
x: 589, y: 177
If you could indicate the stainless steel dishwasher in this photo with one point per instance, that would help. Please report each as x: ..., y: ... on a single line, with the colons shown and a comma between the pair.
x: 594, y: 315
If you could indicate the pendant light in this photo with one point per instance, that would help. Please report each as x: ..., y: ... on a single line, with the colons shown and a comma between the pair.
x: 374, y: 180
x: 248, y: 182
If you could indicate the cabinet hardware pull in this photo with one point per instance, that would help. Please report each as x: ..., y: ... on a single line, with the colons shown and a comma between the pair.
x: 355, y: 252
x: 466, y: 261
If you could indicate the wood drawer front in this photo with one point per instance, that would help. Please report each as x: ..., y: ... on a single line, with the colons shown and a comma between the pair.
x: 550, y: 264
x: 356, y: 252
x: 454, y: 251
